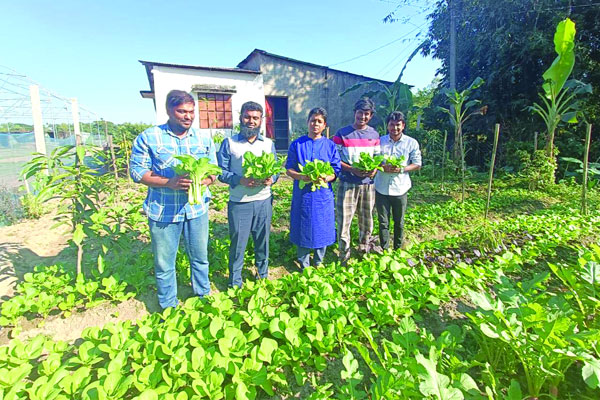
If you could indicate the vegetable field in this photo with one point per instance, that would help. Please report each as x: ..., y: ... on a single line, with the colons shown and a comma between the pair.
x: 503, y: 308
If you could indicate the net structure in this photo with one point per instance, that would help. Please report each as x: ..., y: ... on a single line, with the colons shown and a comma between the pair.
x: 17, y: 139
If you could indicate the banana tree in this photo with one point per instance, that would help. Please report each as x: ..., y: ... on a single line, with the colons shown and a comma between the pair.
x: 460, y: 111
x: 557, y: 100
x: 387, y: 98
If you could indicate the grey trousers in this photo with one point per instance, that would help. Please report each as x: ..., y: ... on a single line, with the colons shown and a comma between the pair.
x: 254, y: 218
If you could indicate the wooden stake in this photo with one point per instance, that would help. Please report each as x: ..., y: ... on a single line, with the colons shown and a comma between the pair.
x: 489, y: 190
x: 444, y: 156
x: 586, y: 153
x: 109, y: 139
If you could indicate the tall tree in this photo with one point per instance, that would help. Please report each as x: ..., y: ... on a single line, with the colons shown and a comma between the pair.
x: 507, y: 43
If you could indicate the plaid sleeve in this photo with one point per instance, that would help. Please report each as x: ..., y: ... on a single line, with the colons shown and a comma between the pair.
x: 140, y: 162
x: 212, y: 153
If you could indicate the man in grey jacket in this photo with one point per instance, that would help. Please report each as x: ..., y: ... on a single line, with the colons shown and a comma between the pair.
x: 250, y: 205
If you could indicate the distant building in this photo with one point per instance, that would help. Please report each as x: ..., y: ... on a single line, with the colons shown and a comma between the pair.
x: 287, y: 88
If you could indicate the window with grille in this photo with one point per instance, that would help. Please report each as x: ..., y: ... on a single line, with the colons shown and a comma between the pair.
x: 215, y: 111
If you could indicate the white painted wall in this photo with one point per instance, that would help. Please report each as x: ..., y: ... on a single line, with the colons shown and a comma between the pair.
x: 249, y: 87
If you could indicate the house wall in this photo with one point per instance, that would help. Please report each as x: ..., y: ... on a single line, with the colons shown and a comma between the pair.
x: 249, y: 87
x: 307, y: 87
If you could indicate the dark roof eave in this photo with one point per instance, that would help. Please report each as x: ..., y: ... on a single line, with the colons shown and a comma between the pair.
x: 150, y: 64
x: 309, y: 64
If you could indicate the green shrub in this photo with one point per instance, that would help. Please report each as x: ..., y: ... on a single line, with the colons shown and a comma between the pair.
x: 538, y: 171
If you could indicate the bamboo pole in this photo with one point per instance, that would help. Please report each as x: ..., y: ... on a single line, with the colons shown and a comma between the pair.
x: 489, y: 190
x: 535, y: 141
x: 588, y: 137
x: 109, y: 139
x: 444, y: 156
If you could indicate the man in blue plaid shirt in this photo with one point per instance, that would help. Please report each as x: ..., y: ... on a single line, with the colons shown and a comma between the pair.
x: 169, y: 213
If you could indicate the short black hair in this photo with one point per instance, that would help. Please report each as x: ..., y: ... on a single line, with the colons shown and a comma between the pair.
x: 178, y: 97
x: 395, y: 116
x: 318, y: 111
x: 251, y: 106
x: 365, y: 104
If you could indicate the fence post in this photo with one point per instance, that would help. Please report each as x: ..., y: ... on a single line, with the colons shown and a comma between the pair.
x: 76, y: 127
x: 38, y: 125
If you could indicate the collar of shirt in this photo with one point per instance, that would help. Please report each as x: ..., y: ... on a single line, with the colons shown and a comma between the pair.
x: 167, y: 129
x: 242, y: 137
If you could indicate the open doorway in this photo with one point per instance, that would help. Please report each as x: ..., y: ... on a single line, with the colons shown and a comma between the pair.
x: 277, y: 121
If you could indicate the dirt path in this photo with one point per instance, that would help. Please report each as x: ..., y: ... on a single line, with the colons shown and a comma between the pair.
x: 30, y: 243
x: 25, y: 245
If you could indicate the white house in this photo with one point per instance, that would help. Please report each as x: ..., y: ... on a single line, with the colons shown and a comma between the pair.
x: 285, y: 87
x: 219, y: 92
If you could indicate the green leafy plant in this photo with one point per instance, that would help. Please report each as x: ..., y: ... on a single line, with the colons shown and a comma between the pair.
x: 78, y: 187
x: 198, y: 169
x: 261, y: 167
x: 316, y: 171
x: 368, y: 162
x: 397, y: 162
x: 593, y: 170
x: 538, y: 171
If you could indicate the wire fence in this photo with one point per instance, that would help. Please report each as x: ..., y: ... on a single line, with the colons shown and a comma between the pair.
x: 59, y: 116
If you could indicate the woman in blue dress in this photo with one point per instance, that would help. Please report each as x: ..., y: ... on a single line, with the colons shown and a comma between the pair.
x: 312, y: 220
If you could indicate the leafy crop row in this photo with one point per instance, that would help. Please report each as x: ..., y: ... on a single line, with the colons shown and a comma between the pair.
x: 251, y: 342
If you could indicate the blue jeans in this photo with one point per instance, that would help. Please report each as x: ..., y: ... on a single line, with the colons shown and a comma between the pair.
x: 165, y: 242
x: 304, y: 256
x: 253, y: 217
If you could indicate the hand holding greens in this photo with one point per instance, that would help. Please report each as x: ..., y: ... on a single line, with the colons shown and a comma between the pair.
x: 199, y: 170
x: 261, y: 167
x: 368, y: 162
x: 316, y: 171
x: 397, y: 162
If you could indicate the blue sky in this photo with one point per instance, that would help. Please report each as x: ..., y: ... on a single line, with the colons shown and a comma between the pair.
x: 90, y: 49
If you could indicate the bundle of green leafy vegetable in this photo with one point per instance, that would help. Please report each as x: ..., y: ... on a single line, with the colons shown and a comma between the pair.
x: 368, y: 162
x: 261, y: 167
x: 199, y: 170
x: 397, y: 162
x: 316, y: 171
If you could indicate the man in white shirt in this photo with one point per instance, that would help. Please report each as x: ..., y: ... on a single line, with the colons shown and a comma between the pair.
x: 393, y: 184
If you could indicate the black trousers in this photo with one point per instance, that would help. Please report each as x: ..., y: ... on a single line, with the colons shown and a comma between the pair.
x: 397, y: 206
